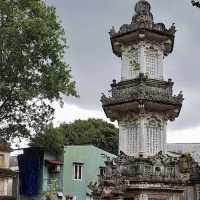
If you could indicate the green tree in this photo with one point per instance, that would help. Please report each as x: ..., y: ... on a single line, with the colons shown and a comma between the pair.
x: 33, y: 73
x: 92, y: 131
x: 196, y: 3
x: 52, y: 140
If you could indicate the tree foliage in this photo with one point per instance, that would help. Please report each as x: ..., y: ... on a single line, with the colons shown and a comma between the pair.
x: 196, y: 3
x: 92, y: 131
x: 52, y: 140
x: 32, y: 68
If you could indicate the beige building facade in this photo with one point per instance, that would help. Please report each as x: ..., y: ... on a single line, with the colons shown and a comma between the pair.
x: 6, y: 174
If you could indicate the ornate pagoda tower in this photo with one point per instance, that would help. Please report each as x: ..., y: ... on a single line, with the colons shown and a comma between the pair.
x: 142, y: 102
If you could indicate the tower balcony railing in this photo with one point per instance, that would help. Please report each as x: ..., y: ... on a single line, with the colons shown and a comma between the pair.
x: 130, y: 91
x: 141, y: 172
x: 142, y: 92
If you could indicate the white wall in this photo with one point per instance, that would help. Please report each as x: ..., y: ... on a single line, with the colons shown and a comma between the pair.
x: 143, y: 135
x: 149, y: 56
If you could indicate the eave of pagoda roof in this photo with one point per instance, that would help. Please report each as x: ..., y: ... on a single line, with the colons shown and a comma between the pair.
x: 142, y: 28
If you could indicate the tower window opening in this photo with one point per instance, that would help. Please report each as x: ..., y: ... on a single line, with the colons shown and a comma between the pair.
x: 154, y: 135
x: 132, y: 139
x: 153, y: 64
x: 134, y: 60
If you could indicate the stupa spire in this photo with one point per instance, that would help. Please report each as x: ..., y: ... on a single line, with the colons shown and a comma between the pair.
x: 142, y: 102
x: 142, y: 12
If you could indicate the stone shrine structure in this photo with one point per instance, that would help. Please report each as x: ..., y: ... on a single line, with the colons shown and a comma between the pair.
x: 143, y: 103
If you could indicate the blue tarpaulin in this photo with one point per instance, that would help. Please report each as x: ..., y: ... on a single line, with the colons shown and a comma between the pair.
x: 30, y: 164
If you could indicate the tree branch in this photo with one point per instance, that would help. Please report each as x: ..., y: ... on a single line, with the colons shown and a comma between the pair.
x: 195, y: 3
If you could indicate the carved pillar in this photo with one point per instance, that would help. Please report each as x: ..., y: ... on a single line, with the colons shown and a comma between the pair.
x: 164, y: 137
x: 142, y: 135
x: 142, y: 58
x: 122, y: 138
x: 161, y: 70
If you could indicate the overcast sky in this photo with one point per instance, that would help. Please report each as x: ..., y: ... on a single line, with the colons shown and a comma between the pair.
x: 87, y: 23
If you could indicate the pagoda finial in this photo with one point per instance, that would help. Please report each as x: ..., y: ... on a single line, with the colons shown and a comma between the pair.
x: 142, y: 7
x: 142, y: 23
x: 142, y: 12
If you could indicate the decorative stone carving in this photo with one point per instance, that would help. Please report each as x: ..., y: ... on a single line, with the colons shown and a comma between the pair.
x: 125, y: 171
x: 144, y: 19
x: 142, y: 23
x: 185, y: 163
x: 143, y: 102
x: 154, y: 121
x: 143, y: 91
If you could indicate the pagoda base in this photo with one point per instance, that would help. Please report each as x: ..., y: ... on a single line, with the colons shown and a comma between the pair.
x: 160, y: 177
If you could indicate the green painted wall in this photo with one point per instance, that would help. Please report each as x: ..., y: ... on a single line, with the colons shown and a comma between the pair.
x: 92, y: 159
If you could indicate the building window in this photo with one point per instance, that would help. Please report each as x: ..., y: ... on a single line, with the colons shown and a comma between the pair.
x: 78, y: 171
x: 134, y: 63
x: 132, y: 140
x: 154, y: 136
x: 1, y: 160
x: 153, y: 64
x: 102, y: 171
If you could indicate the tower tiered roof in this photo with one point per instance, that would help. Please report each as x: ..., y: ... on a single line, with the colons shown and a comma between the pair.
x: 142, y: 102
x: 142, y: 27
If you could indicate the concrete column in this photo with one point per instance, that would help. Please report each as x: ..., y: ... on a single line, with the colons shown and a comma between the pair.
x: 122, y: 139
x: 142, y: 137
x: 6, y: 187
x: 10, y: 185
x: 164, y: 138
x: 161, y: 70
x: 142, y: 58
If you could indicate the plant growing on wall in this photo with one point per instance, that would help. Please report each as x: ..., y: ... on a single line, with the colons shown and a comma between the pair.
x: 135, y: 65
x: 132, y: 56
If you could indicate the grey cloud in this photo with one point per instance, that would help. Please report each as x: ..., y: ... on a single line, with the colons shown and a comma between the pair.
x: 94, y: 66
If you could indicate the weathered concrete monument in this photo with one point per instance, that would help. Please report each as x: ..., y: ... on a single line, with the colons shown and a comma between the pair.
x: 143, y: 102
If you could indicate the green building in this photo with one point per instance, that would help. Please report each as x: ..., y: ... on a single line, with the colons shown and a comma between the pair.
x: 82, y: 165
